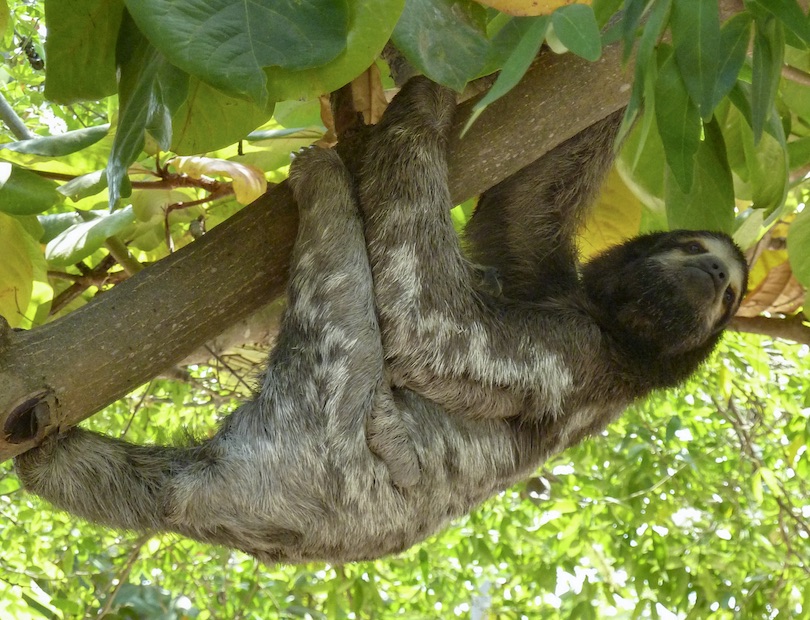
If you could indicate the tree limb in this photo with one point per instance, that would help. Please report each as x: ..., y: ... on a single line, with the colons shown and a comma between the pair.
x: 793, y: 328
x: 58, y: 374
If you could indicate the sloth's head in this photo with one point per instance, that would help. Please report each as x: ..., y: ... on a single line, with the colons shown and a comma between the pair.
x: 668, y: 294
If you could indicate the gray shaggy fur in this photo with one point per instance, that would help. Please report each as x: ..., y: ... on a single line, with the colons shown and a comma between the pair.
x: 403, y: 392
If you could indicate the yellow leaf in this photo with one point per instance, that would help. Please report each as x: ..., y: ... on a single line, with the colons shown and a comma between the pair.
x: 16, y: 271
x: 529, y: 7
x: 616, y: 217
x: 248, y: 181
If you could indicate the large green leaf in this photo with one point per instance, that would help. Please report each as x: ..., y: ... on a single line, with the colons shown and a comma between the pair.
x: 678, y: 121
x: 371, y: 23
x: 59, y: 145
x: 80, y: 48
x: 445, y: 39
x: 228, y: 43
x: 709, y: 204
x: 209, y: 119
x: 696, y: 36
x: 576, y: 28
x: 23, y: 192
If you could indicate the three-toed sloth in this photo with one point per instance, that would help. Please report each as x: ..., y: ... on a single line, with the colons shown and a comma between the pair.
x: 404, y: 389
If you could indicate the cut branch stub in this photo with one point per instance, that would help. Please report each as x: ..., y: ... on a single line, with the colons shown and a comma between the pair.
x: 31, y: 419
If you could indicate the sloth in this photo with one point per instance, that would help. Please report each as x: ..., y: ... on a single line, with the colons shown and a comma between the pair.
x: 404, y: 389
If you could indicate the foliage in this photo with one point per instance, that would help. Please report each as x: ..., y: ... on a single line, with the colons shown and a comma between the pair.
x: 694, y: 503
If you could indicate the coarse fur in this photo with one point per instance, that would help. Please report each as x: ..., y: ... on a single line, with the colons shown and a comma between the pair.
x: 402, y: 392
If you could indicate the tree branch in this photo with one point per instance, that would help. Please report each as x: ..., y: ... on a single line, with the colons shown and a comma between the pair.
x: 791, y: 328
x: 49, y: 376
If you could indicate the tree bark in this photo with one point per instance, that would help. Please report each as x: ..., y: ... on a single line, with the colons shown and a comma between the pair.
x: 56, y: 375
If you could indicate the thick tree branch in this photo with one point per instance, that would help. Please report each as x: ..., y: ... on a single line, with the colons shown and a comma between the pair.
x: 61, y: 373
x: 793, y: 328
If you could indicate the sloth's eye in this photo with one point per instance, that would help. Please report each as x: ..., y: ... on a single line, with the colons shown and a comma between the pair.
x: 693, y: 247
x: 728, y: 295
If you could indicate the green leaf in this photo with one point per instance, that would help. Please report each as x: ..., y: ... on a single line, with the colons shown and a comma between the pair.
x: 445, y: 39
x: 23, y: 192
x: 228, y: 44
x: 646, y: 68
x: 85, y: 185
x: 695, y: 28
x: 515, y: 66
x: 761, y: 169
x: 5, y: 17
x: 605, y: 9
x: 54, y: 224
x: 799, y: 152
x: 673, y: 426
x: 141, y: 105
x: 80, y: 48
x: 769, y: 51
x: 63, y: 144
x: 576, y: 28
x: 734, y: 37
x: 81, y: 240
x: 709, y: 204
x: 633, y: 10
x: 790, y: 14
x: 798, y: 245
x: 678, y: 121
x: 505, y: 41
x: 371, y: 23
x: 209, y: 120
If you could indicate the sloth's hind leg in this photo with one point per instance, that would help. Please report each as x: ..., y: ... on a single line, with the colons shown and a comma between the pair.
x: 328, y: 358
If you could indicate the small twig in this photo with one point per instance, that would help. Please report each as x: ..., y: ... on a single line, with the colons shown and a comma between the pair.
x: 91, y: 278
x: 123, y: 574
x: 222, y: 190
x: 137, y: 407
x: 222, y: 361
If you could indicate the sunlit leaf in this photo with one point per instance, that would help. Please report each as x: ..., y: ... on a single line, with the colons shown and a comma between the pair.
x: 63, y: 144
x: 16, y: 270
x: 248, y: 182
x: 23, y: 192
x: 82, y: 239
x: 80, y: 48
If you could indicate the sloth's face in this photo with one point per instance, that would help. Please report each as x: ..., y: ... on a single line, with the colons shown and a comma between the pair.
x: 669, y: 292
